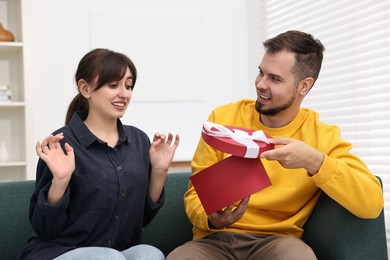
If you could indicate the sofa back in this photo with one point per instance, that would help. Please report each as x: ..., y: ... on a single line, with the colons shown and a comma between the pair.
x: 171, y: 227
x: 15, y: 227
x: 334, y: 233
x: 331, y: 231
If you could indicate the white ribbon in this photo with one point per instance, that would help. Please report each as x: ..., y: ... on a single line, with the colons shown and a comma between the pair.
x: 242, y: 137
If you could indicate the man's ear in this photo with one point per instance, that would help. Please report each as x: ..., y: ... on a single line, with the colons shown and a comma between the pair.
x: 84, y: 88
x: 305, y: 85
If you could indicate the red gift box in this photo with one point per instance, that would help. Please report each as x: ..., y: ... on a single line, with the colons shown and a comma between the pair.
x: 239, y: 175
x: 227, y: 139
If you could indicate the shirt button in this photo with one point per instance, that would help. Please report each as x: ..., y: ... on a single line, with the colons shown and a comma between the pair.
x: 119, y: 168
x: 122, y: 194
x: 116, y: 218
x: 109, y: 242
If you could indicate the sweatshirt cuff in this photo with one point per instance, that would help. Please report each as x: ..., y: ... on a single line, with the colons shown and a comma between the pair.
x: 326, y: 172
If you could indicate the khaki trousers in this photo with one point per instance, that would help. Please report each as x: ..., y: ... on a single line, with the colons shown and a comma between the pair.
x: 237, y: 246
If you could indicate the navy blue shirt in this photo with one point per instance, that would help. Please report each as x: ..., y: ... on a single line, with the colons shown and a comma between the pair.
x: 106, y: 203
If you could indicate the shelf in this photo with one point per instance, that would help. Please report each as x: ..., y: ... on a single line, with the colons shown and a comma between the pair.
x: 12, y: 164
x: 11, y: 47
x: 180, y: 166
x: 12, y: 104
x: 13, y: 112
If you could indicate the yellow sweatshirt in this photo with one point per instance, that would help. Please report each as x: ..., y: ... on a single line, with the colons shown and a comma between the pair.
x: 284, y: 207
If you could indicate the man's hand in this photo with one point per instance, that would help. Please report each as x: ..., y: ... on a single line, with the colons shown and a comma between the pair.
x: 292, y: 154
x: 226, y: 217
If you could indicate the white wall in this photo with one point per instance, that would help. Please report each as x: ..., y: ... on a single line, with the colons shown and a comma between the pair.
x: 58, y: 33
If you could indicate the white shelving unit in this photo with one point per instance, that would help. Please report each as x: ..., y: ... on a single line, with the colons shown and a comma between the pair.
x: 12, y: 114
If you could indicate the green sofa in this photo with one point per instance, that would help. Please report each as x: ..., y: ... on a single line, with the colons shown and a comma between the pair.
x: 331, y: 231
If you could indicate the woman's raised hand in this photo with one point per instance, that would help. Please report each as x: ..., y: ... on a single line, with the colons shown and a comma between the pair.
x: 162, y: 151
x: 60, y: 163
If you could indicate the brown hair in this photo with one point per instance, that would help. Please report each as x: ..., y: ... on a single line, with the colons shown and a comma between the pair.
x: 308, y: 52
x: 104, y: 66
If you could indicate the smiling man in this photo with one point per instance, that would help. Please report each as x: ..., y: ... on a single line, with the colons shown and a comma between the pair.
x: 310, y: 157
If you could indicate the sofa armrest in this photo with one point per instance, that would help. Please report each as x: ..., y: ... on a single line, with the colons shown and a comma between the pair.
x: 334, y: 233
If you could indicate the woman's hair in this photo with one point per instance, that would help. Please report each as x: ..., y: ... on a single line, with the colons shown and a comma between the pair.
x: 308, y: 52
x: 103, y: 66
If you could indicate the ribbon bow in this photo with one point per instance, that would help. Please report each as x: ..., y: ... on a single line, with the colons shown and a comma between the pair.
x: 242, y: 137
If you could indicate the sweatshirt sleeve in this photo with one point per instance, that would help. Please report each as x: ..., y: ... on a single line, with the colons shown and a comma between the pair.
x: 346, y: 179
x: 204, y: 156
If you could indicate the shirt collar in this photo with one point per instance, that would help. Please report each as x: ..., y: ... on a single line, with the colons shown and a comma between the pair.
x: 86, y: 137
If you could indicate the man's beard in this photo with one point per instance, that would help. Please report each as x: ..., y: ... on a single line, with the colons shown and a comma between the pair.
x: 273, y: 110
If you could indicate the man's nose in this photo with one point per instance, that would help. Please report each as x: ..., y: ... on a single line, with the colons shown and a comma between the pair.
x: 261, y: 82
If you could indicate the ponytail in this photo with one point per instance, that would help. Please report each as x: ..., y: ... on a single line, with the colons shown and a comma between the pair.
x: 79, y: 103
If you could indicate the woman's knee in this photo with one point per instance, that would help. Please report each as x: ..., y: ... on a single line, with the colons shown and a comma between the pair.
x: 143, y: 252
x: 93, y: 253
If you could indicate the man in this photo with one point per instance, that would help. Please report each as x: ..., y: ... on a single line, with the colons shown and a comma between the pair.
x: 309, y: 158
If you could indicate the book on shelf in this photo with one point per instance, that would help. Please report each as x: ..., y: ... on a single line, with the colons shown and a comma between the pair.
x: 4, y: 87
x: 5, y: 93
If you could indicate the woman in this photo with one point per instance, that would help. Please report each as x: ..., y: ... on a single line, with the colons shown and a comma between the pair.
x: 98, y: 182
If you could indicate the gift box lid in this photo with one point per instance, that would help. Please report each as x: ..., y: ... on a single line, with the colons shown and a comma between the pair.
x: 217, y: 136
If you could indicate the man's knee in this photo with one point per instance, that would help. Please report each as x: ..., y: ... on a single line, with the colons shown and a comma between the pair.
x: 286, y: 247
x: 186, y: 251
x: 196, y: 249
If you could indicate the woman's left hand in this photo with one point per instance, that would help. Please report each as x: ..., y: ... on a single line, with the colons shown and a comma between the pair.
x: 162, y: 151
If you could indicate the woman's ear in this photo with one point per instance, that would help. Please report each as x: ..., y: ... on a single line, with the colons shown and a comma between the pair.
x: 305, y: 85
x: 84, y: 88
